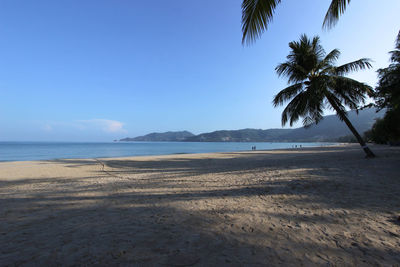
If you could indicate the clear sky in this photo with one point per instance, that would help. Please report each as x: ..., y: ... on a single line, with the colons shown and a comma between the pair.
x: 97, y: 70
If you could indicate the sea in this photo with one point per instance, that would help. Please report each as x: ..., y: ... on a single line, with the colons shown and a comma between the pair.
x: 21, y: 151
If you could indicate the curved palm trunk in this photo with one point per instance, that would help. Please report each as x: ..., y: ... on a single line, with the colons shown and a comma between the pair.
x: 343, y: 116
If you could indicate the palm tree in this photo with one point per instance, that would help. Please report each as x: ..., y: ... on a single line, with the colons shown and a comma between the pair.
x: 257, y: 14
x: 316, y: 84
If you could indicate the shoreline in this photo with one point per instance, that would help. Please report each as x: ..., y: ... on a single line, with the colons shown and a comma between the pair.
x: 310, y: 207
x: 329, y: 144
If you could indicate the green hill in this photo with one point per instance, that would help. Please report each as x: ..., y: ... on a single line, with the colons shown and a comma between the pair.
x: 330, y: 129
x: 168, y: 136
x: 245, y: 135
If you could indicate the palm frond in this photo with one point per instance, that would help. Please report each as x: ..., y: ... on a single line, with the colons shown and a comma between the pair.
x: 329, y: 59
x: 361, y: 64
x: 315, y: 118
x: 306, y: 46
x: 351, y: 86
x: 336, y: 8
x: 314, y: 113
x: 287, y: 94
x: 315, y: 104
x: 295, y: 109
x: 304, y: 105
x: 317, y: 47
x: 256, y: 15
x: 306, y: 53
x: 294, y: 72
x: 350, y: 92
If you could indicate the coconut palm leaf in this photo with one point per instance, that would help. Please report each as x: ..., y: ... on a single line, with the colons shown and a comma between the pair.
x: 336, y: 9
x: 295, y: 109
x: 287, y: 94
x: 330, y: 58
x: 294, y: 72
x: 256, y: 14
x: 361, y: 64
x: 351, y: 86
x: 350, y: 92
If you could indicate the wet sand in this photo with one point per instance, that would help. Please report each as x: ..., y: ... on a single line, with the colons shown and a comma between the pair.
x: 311, y: 206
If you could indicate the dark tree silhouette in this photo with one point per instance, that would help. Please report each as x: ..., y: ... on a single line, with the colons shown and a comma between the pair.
x: 316, y: 83
x: 257, y: 14
x: 388, y: 90
x: 387, y: 95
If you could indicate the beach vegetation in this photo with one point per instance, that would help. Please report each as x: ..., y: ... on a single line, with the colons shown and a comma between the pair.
x: 387, y: 96
x: 316, y: 83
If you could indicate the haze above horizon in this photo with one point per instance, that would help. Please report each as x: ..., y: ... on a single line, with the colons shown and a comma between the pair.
x: 103, y: 70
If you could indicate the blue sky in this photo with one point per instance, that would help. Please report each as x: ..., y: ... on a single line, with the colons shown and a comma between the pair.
x: 97, y: 70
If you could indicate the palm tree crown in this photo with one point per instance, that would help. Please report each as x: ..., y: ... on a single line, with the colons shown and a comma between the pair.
x: 315, y: 83
x: 257, y: 14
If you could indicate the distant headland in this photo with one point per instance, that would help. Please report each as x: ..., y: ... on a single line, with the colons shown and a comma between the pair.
x: 330, y: 129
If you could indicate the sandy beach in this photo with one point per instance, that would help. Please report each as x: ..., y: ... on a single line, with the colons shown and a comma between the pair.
x: 304, y: 207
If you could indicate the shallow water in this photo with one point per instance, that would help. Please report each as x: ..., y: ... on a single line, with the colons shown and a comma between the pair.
x: 18, y: 151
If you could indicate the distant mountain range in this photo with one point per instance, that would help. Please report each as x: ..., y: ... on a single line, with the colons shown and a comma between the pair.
x: 244, y: 135
x: 168, y: 136
x: 330, y: 129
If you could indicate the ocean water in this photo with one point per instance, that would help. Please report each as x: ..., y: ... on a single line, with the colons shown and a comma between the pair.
x: 19, y: 151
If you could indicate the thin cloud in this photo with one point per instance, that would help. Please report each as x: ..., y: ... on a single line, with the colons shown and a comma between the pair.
x: 104, y: 125
x: 108, y: 126
x: 47, y: 128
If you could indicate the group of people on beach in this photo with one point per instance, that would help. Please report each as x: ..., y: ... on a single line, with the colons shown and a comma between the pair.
x: 293, y: 146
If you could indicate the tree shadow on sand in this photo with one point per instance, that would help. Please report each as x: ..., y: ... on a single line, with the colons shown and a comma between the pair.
x: 186, y: 211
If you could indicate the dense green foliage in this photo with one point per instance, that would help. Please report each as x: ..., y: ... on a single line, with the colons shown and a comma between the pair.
x: 385, y: 130
x: 387, y: 96
x: 388, y: 90
x: 315, y: 83
x: 257, y: 14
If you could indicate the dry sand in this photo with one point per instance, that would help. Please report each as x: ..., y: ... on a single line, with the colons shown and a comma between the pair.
x: 314, y: 206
